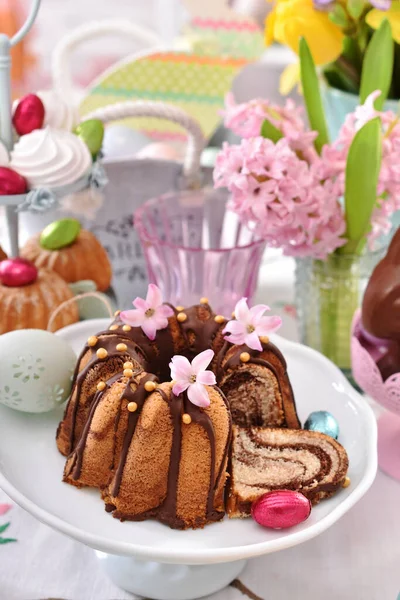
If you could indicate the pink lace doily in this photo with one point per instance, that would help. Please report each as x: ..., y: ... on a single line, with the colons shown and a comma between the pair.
x: 367, y: 375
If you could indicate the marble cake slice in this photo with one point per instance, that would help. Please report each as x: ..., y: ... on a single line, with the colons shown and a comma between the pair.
x: 266, y: 459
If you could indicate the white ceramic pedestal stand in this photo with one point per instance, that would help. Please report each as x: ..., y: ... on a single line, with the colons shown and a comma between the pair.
x: 148, y: 558
x: 163, y: 581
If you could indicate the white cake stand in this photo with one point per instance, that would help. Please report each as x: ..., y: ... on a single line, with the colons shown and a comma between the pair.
x: 148, y: 558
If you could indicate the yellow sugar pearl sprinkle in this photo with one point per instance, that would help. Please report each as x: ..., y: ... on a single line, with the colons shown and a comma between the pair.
x: 182, y: 317
x: 204, y: 300
x: 117, y: 312
x: 128, y: 372
x: 264, y: 339
x: 128, y: 365
x: 346, y: 482
x: 122, y: 347
x: 150, y: 386
x: 102, y: 353
x: 127, y: 328
x: 101, y: 386
x: 180, y: 308
x: 132, y: 407
x: 245, y: 357
x: 187, y: 419
x: 233, y: 315
x: 92, y: 341
x: 113, y: 327
x: 219, y: 319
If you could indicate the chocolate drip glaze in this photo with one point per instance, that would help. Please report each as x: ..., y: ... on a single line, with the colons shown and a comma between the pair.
x: 167, y: 513
x: 139, y: 396
x: 204, y: 331
x: 77, y: 453
x: 109, y: 341
x: 285, y: 389
x: 234, y: 361
x: 158, y: 352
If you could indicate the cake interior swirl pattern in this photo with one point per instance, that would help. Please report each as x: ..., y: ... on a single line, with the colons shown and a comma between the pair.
x: 162, y: 449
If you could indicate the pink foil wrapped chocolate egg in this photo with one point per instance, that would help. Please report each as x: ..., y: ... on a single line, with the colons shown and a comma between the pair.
x: 281, y: 509
x: 11, y: 182
x: 16, y: 272
x: 29, y: 114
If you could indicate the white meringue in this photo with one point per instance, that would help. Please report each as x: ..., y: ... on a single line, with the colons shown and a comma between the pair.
x: 50, y: 158
x: 59, y: 114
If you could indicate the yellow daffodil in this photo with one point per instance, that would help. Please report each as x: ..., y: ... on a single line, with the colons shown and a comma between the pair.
x: 292, y: 19
x: 375, y: 18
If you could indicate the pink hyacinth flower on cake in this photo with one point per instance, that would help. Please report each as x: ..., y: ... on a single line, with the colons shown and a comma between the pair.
x: 193, y: 377
x: 150, y: 314
x: 250, y: 324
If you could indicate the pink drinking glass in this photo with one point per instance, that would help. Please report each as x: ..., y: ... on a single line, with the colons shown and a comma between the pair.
x: 195, y: 246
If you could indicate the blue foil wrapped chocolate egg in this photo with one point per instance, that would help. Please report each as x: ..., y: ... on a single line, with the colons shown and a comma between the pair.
x: 324, y: 422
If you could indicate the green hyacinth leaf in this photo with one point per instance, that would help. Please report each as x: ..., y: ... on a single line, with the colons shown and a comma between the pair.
x: 270, y: 132
x: 377, y: 68
x: 362, y: 174
x: 312, y: 96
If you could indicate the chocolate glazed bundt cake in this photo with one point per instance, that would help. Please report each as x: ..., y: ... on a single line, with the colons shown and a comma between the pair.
x: 158, y: 448
x: 256, y: 383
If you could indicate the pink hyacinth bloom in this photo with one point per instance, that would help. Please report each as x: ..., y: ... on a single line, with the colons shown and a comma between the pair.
x: 285, y: 199
x: 150, y: 314
x: 246, y: 119
x: 250, y: 324
x: 193, y: 377
x: 334, y: 156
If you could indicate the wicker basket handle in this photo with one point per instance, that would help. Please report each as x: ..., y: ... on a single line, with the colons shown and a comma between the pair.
x: 70, y: 301
x: 161, y: 110
x: 61, y: 73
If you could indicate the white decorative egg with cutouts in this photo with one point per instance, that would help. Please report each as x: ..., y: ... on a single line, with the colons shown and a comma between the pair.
x: 36, y: 369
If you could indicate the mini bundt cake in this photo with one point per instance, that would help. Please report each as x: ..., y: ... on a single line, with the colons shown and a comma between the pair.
x: 74, y: 253
x: 146, y: 422
x: 267, y: 459
x: 31, y: 305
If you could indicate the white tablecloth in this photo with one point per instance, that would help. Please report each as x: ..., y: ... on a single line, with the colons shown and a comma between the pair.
x: 357, y: 559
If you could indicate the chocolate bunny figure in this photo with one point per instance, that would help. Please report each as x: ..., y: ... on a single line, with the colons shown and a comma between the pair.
x: 381, y: 304
x: 381, y: 307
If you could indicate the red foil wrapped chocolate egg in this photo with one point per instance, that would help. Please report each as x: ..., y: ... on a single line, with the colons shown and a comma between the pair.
x: 281, y: 509
x: 29, y: 114
x: 16, y: 272
x: 11, y: 183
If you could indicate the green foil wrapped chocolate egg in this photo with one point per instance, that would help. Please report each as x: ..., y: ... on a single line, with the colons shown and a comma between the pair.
x: 92, y: 133
x: 60, y: 234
